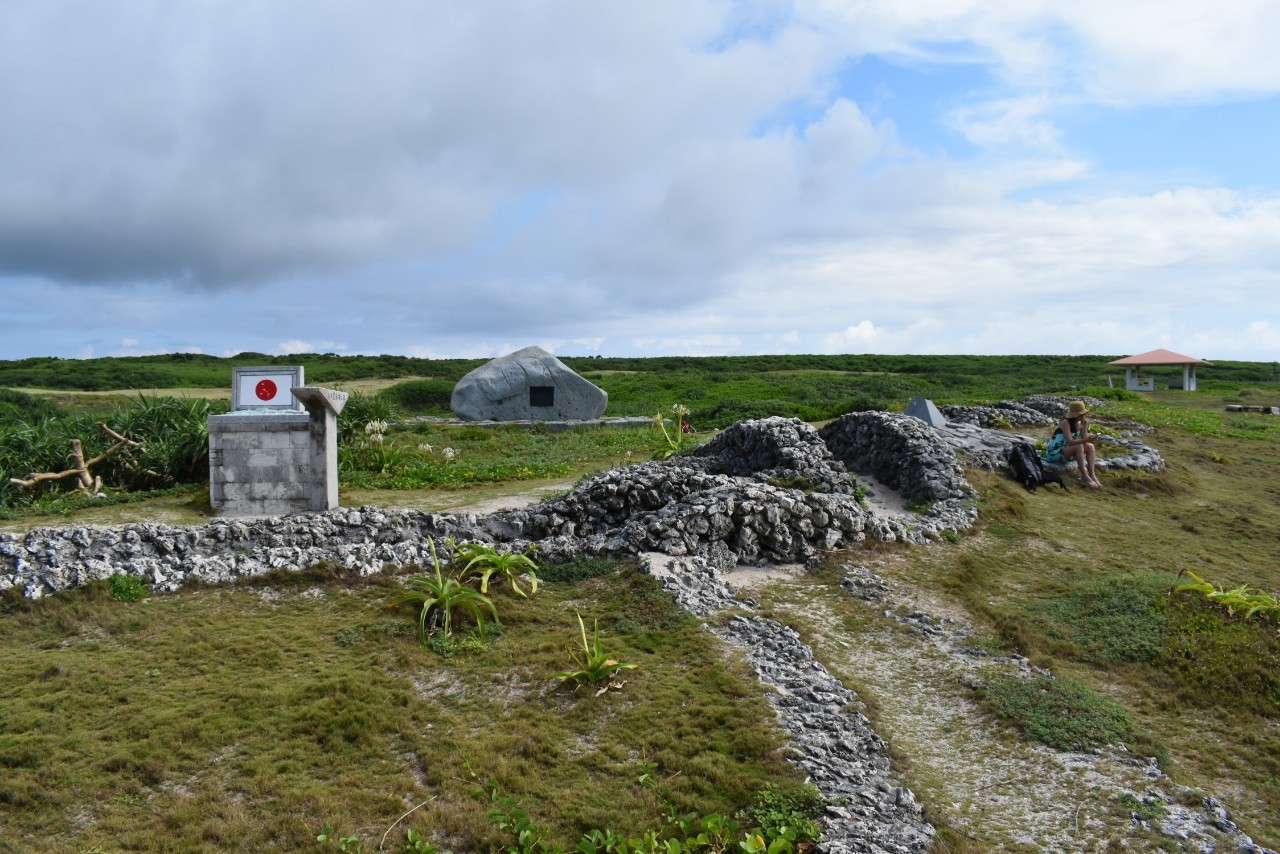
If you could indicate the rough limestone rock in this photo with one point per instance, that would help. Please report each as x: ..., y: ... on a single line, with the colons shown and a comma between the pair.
x: 905, y: 454
x: 781, y: 451
x: 1037, y: 410
x: 869, y: 811
x: 972, y: 435
x: 529, y: 384
x: 901, y: 452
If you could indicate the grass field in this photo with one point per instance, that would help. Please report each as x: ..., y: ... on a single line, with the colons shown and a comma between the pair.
x: 251, y: 717
x: 105, y: 401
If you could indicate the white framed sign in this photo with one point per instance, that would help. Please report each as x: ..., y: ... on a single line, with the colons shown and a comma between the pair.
x: 265, y: 388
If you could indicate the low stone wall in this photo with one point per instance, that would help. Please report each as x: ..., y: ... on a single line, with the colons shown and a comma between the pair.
x: 901, y: 452
x: 1037, y: 410
x: 869, y: 809
x: 682, y: 506
x: 989, y: 449
x: 782, y: 451
x: 735, y: 500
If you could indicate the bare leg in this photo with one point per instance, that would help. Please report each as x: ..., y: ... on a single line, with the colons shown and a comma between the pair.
x: 1077, y: 454
x: 1083, y: 460
x: 1091, y: 455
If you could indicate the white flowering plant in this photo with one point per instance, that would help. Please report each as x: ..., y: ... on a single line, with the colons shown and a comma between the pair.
x: 677, y: 436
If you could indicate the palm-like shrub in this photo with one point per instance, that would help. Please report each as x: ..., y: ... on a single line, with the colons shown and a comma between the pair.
x: 172, y: 446
x: 440, y: 597
x: 593, y: 663
x: 362, y: 409
x: 479, y: 560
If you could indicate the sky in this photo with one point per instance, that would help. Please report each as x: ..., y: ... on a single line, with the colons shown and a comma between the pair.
x: 462, y: 178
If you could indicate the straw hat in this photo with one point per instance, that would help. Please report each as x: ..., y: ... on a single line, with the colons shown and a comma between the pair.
x: 1076, y: 409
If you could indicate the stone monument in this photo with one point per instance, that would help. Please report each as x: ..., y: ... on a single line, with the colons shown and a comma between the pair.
x: 529, y: 384
x: 926, y: 411
x: 276, y: 452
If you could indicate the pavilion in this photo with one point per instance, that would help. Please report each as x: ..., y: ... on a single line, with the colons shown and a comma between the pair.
x: 1158, y: 358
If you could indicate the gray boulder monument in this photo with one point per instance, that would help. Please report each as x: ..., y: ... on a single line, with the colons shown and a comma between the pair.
x: 529, y: 384
x: 924, y: 409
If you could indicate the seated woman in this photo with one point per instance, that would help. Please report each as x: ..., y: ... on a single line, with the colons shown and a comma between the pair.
x: 1071, y: 441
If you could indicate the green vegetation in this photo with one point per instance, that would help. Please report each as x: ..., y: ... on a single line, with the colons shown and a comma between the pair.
x: 1143, y: 810
x: 484, y: 562
x: 1242, y: 599
x: 1061, y: 713
x: 676, y: 437
x: 1118, y: 618
x: 439, y: 597
x: 578, y: 569
x: 593, y: 663
x: 1006, y: 375
x: 187, y: 370
x: 435, y: 456
x: 688, y: 833
x: 422, y: 396
x: 126, y: 588
x: 795, y: 807
x: 253, y: 717
x: 171, y: 449
x: 375, y: 453
x: 1213, y: 660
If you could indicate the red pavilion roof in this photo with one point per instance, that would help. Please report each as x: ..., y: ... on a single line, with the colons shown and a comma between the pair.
x: 1160, y: 357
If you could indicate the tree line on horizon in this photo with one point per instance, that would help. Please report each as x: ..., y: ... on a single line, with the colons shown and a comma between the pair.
x: 193, y: 370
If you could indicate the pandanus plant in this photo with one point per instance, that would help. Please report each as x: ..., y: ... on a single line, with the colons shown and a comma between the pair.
x: 440, y: 597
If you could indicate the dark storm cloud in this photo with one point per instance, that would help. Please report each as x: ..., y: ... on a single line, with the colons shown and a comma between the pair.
x: 221, y: 144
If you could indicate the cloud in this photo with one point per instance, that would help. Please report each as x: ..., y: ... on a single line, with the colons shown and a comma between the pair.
x: 1020, y: 121
x: 692, y: 345
x: 922, y: 336
x: 216, y: 147
x: 693, y: 175
x: 1109, y: 53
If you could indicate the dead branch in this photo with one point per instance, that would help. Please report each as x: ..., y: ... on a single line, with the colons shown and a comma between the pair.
x: 88, y: 482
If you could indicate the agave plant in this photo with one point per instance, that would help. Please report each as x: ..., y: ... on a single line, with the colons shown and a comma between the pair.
x: 439, y: 597
x: 477, y: 559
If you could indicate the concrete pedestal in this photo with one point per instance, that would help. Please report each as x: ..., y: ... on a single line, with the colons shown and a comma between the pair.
x: 275, y: 463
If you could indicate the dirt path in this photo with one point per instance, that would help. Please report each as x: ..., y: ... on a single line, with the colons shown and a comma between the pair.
x: 916, y: 668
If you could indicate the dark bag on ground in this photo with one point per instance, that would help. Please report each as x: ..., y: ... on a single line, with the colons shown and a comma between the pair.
x: 1027, y: 468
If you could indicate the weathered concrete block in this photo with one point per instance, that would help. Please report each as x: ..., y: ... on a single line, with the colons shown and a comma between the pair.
x: 529, y: 384
x: 262, y: 458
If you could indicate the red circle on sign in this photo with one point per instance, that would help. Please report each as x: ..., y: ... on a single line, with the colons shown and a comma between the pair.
x: 265, y: 390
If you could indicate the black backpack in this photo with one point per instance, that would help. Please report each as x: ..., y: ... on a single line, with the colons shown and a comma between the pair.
x: 1027, y: 469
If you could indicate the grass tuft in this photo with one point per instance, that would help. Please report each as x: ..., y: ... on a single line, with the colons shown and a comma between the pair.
x: 126, y: 588
x: 1113, y: 619
x: 1216, y: 660
x: 1061, y: 713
